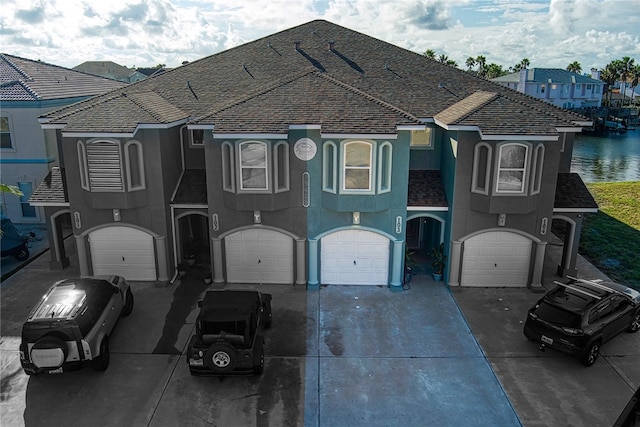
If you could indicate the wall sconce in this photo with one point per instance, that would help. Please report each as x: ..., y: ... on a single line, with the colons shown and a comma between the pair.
x: 502, y: 220
x: 116, y: 215
x: 356, y: 218
x: 257, y: 217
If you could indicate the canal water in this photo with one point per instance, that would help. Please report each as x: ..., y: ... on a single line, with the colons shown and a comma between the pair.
x: 607, y: 157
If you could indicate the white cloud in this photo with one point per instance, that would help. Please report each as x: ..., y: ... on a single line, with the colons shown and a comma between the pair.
x: 148, y: 32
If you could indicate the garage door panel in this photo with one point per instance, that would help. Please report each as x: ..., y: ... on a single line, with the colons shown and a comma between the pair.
x: 498, y: 258
x: 354, y: 257
x: 259, y: 256
x: 124, y: 251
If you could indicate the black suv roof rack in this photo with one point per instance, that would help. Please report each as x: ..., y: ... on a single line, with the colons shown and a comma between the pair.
x: 582, y: 291
x: 596, y: 283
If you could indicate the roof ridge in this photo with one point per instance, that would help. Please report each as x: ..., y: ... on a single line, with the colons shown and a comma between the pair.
x: 480, y: 99
x: 15, y: 67
x: 134, y: 99
x: 268, y: 88
x: 369, y: 96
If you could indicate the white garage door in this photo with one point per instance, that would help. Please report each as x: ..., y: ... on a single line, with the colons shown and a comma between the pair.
x: 124, y: 251
x: 259, y: 256
x: 497, y: 258
x: 354, y: 257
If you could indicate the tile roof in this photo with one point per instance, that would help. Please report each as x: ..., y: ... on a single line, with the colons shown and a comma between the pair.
x: 26, y: 80
x: 549, y: 75
x: 241, y: 81
x: 571, y: 193
x: 426, y: 189
x: 52, y: 190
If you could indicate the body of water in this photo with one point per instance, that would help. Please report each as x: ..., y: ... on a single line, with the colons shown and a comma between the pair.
x: 607, y: 157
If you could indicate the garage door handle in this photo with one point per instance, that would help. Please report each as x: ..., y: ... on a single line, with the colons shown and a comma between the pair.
x: 259, y: 261
x: 122, y: 259
x: 354, y: 262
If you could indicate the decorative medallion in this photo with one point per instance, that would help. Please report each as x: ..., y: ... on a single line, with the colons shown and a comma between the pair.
x: 305, y: 149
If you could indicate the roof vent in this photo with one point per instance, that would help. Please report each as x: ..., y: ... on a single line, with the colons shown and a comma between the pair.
x: 297, y: 44
x: 331, y: 43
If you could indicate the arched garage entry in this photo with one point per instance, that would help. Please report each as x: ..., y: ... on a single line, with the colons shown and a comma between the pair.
x: 123, y: 250
x: 354, y: 257
x: 259, y: 255
x: 496, y: 258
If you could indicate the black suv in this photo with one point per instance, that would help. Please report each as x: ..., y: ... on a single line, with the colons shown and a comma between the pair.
x: 577, y: 317
x: 71, y: 325
x: 228, y: 336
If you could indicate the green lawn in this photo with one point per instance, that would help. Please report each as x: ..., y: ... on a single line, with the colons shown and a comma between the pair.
x: 611, y: 238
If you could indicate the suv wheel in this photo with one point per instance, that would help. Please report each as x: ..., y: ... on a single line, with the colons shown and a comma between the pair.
x: 128, y: 305
x: 258, y: 367
x: 635, y: 325
x: 49, y: 352
x: 591, y: 354
x: 220, y: 357
x: 22, y: 254
x: 101, y: 363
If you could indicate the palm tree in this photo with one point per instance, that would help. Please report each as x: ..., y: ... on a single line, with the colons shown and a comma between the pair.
x: 626, y: 65
x: 634, y: 83
x: 430, y: 53
x: 609, y: 75
x: 470, y: 62
x: 574, y: 67
x: 481, y: 62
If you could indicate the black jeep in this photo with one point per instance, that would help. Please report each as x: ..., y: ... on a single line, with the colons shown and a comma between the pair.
x: 228, y: 336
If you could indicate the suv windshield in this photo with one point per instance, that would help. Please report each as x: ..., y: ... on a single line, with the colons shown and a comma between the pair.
x: 557, y: 316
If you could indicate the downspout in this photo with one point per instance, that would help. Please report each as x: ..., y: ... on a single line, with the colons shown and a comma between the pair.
x: 175, y: 248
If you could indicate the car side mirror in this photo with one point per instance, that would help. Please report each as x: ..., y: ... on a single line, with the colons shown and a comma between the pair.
x: 200, y: 304
x: 116, y: 289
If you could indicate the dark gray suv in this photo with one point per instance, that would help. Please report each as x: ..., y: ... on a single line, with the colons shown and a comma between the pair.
x: 579, y: 316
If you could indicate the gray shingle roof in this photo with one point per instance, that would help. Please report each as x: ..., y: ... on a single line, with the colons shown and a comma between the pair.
x: 26, y: 80
x: 426, y: 189
x: 313, y: 67
x: 52, y: 190
x: 571, y: 193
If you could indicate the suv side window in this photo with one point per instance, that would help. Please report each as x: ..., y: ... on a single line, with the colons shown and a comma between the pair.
x: 600, y: 311
x: 619, y: 304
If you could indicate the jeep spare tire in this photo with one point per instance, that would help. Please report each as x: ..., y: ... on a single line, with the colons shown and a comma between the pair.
x: 49, y: 352
x: 220, y: 357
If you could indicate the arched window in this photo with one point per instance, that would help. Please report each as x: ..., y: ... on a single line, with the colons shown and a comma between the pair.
x: 481, y: 168
x: 512, y: 168
x: 135, y: 165
x: 538, y: 163
x: 384, y: 167
x: 254, y: 172
x: 281, y: 166
x: 228, y: 167
x: 357, y: 166
x: 329, y: 170
x: 82, y: 166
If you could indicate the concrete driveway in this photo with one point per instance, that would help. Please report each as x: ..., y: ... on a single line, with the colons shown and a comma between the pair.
x: 342, y: 356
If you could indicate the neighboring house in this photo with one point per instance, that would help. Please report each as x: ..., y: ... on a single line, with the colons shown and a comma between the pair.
x: 151, y: 71
x: 313, y: 156
x: 557, y: 86
x: 111, y: 70
x: 29, y: 89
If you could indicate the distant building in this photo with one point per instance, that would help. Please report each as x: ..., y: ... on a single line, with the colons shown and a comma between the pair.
x: 111, y: 70
x: 557, y: 86
x: 29, y: 89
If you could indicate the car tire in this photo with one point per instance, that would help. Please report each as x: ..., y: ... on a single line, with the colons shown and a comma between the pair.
x: 220, y: 357
x: 635, y: 325
x: 49, y: 343
x: 591, y: 354
x: 101, y: 363
x: 128, y: 304
x: 258, y: 358
x: 22, y: 254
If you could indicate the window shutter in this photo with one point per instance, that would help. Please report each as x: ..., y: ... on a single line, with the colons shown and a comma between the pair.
x: 105, y: 168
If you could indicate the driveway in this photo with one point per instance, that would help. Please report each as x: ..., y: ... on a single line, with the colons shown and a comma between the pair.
x: 342, y: 356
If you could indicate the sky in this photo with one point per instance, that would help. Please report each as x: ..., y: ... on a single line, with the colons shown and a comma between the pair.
x: 144, y: 33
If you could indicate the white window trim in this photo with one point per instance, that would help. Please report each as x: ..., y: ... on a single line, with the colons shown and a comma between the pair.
x: 525, y: 170
x: 329, y: 159
x: 268, y: 160
x: 83, y: 166
x: 192, y: 143
x: 142, y: 185
x: 371, y: 168
x: 432, y: 137
x: 228, y: 167
x: 278, y: 186
x: 476, y: 169
x: 536, y: 169
x: 10, y: 132
x: 384, y: 165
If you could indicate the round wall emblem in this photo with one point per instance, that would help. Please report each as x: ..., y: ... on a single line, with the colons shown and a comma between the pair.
x: 305, y: 149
